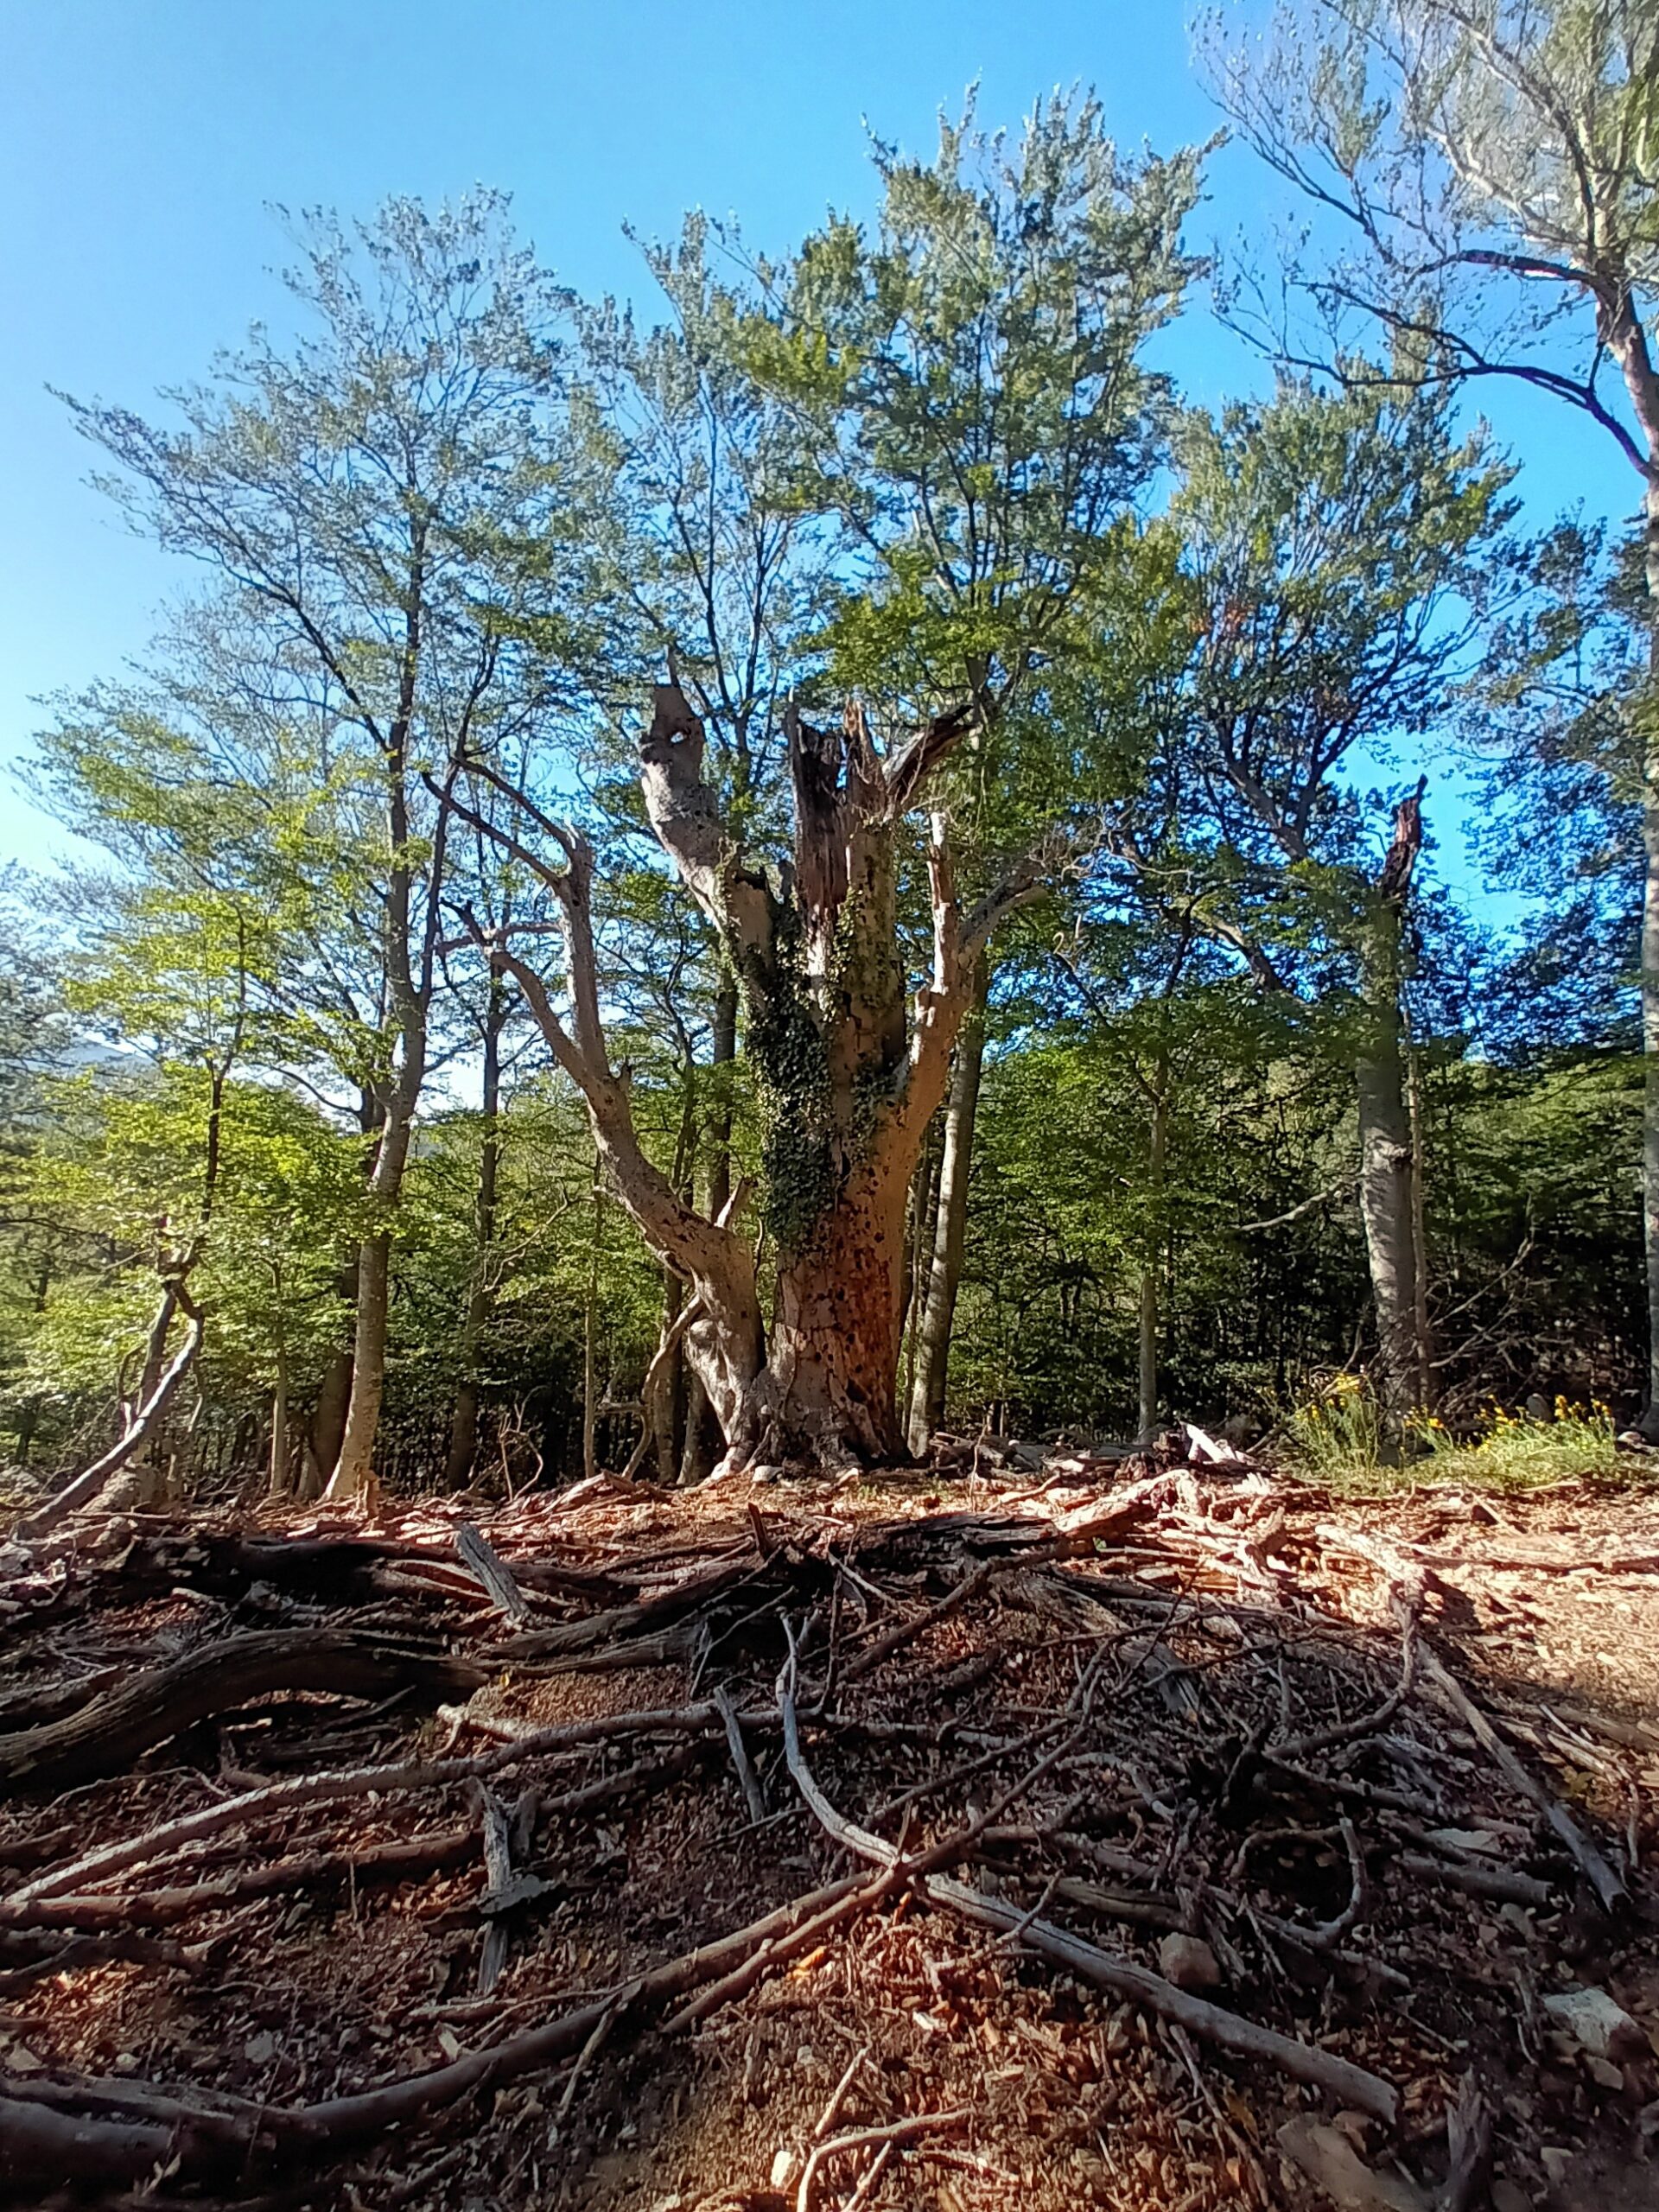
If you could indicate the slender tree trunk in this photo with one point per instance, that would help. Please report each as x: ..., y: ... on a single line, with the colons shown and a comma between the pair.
x: 328, y: 1427
x: 28, y: 1415
x: 702, y: 1438
x: 279, y: 1428
x: 1386, y: 1197
x: 1424, y: 1344
x: 353, y: 1474
x: 590, y: 1346
x: 939, y: 1313
x: 1650, y: 956
x: 1151, y: 1259
x: 408, y: 984
x: 921, y: 1213
x: 463, y: 1426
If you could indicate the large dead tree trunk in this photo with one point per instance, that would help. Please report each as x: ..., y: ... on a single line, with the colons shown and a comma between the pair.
x: 846, y: 1072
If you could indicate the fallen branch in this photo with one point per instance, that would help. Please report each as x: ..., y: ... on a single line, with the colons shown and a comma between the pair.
x: 747, y: 1780
x: 628, y: 1621
x: 117, y: 1727
x: 87, y: 1484
x: 282, y: 1797
x: 906, y: 1631
x: 1477, y: 1881
x: 481, y: 1560
x: 1614, y: 1897
x: 39, y: 2146
x: 1304, y: 2062
x: 159, y: 1908
x: 202, y: 2137
x: 895, y: 2131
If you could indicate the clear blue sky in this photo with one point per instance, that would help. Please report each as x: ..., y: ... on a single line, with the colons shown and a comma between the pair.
x: 142, y: 141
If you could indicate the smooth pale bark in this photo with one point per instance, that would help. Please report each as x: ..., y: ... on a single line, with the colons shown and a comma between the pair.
x: 1649, y: 954
x: 938, y: 1316
x: 144, y: 1427
x: 590, y: 1345
x: 1620, y: 329
x: 664, y: 1400
x: 463, y: 1425
x: 1385, y: 1147
x: 328, y: 1425
x: 698, y: 1458
x: 1424, y: 1346
x: 277, y: 1464
x: 353, y: 1472
x: 410, y: 948
x: 921, y: 1215
x: 1149, y: 1319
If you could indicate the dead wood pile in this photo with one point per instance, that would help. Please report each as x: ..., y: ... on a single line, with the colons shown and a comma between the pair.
x: 511, y: 1804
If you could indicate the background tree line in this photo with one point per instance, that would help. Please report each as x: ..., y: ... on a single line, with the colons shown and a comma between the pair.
x: 841, y: 860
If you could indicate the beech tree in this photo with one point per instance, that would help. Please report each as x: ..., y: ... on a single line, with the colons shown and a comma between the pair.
x: 1492, y: 169
x: 355, y: 499
x: 1338, y: 547
x: 974, y: 419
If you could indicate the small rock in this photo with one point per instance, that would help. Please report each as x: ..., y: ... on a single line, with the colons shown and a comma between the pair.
x: 1189, y: 1962
x: 784, y: 2166
x: 22, y: 2060
x: 1605, y: 2071
x: 1329, y: 2162
x: 1478, y: 1840
x: 1508, y: 2197
x: 260, y: 2050
x: 1603, y: 2028
x: 1557, y: 2162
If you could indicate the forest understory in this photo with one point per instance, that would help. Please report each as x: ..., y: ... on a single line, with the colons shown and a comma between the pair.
x: 1122, y: 1832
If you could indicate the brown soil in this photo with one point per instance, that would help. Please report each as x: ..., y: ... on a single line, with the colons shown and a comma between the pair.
x: 1230, y: 1614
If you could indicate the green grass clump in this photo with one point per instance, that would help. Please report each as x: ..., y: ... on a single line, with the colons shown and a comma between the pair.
x: 1515, y: 1452
x: 1341, y: 1439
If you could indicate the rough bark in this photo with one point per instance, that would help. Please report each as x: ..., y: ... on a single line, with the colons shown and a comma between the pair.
x: 847, y: 1073
x: 112, y: 1729
x: 937, y: 1317
x: 1385, y: 1173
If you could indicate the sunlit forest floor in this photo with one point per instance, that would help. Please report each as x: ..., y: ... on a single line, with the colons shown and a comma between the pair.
x: 1173, y: 1763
